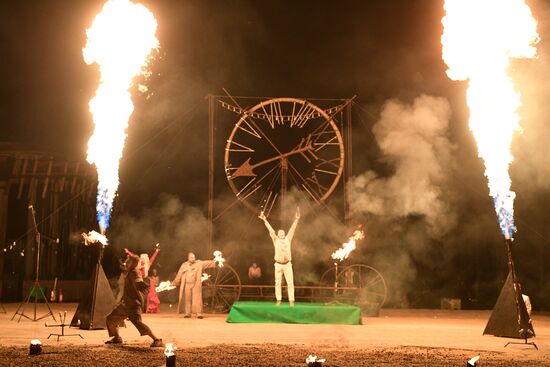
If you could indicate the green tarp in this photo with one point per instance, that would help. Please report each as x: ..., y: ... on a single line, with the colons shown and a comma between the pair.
x: 301, y: 313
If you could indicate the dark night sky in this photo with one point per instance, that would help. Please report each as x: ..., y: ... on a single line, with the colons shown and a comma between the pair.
x: 377, y: 50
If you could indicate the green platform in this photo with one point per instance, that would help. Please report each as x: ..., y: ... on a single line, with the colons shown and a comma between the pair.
x: 301, y: 313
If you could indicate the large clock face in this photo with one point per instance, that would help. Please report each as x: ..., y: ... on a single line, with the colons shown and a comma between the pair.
x: 282, y: 144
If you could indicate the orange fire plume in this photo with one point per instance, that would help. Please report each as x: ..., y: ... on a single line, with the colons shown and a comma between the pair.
x: 479, y: 39
x: 346, y: 249
x: 120, y: 41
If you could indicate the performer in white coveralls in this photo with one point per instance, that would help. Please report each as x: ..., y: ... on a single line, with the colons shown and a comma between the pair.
x: 283, y: 257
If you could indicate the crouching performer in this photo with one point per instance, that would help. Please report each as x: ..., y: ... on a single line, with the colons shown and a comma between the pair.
x: 130, y: 304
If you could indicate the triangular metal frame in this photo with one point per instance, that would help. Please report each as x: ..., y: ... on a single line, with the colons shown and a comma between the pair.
x: 510, y: 318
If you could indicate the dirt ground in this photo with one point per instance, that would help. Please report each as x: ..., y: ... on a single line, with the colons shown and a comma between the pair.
x: 396, y: 338
x: 254, y: 355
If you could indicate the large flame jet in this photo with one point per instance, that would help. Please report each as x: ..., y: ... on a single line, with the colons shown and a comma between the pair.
x: 120, y: 41
x: 479, y: 40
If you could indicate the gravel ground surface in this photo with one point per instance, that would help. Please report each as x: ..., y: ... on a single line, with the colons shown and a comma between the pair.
x: 255, y: 355
x: 396, y: 338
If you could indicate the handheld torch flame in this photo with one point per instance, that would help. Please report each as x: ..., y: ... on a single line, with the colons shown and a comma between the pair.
x: 479, y: 39
x: 120, y: 41
x: 346, y: 249
x: 164, y: 286
x: 219, y: 258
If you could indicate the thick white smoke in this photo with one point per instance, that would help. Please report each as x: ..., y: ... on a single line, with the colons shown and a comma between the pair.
x: 413, y: 139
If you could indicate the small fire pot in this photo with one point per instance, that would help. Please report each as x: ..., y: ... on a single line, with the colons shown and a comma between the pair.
x: 35, y: 347
x: 171, y: 361
x: 169, y: 352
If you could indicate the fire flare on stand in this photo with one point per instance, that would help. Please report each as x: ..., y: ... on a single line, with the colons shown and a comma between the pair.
x: 120, y: 41
x: 479, y: 40
x: 93, y: 237
x: 343, y: 252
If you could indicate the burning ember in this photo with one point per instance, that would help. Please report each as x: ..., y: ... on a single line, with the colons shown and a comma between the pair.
x: 120, y: 41
x: 218, y: 258
x: 479, y: 39
x: 343, y: 252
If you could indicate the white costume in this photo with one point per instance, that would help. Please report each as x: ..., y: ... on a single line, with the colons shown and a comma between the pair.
x: 283, y: 259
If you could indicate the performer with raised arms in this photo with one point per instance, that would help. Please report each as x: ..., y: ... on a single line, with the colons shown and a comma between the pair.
x: 283, y: 257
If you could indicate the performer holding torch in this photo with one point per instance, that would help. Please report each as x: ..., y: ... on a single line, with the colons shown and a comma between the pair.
x: 152, y: 301
x: 189, y: 275
x: 283, y: 257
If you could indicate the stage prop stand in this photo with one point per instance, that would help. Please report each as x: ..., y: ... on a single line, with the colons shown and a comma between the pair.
x: 36, y: 287
x: 335, y: 277
x: 521, y: 311
x: 510, y: 320
x: 62, y: 324
x: 96, y: 305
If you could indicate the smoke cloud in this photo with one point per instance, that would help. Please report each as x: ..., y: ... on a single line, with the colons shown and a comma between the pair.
x: 413, y: 139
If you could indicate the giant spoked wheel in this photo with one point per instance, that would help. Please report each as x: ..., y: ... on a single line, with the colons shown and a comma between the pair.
x: 365, y: 282
x: 371, y: 286
x: 328, y: 278
x: 221, y: 289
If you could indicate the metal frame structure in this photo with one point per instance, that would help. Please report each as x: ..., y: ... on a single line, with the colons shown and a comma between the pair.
x: 358, y: 284
x: 340, y: 111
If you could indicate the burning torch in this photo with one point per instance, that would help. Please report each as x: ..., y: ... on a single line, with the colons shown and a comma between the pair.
x: 344, y: 251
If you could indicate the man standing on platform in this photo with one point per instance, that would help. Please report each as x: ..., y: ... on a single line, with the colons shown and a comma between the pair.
x: 190, y: 295
x: 283, y: 257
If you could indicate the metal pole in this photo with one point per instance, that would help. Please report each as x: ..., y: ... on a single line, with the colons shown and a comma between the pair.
x: 211, y: 131
x: 335, y: 276
x: 284, y: 176
x: 348, y: 172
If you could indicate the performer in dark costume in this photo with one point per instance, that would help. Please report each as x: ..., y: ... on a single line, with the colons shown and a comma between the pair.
x: 152, y: 301
x: 130, y: 304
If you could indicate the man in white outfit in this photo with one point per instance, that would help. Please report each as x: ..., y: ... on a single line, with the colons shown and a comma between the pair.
x: 283, y: 257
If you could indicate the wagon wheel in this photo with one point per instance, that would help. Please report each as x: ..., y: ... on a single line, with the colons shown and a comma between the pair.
x: 371, y: 286
x: 221, y: 289
x: 327, y: 279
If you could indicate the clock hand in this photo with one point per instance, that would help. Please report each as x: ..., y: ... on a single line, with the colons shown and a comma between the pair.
x: 247, y: 169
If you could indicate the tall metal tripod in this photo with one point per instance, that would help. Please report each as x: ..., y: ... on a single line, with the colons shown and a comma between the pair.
x: 36, y: 289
